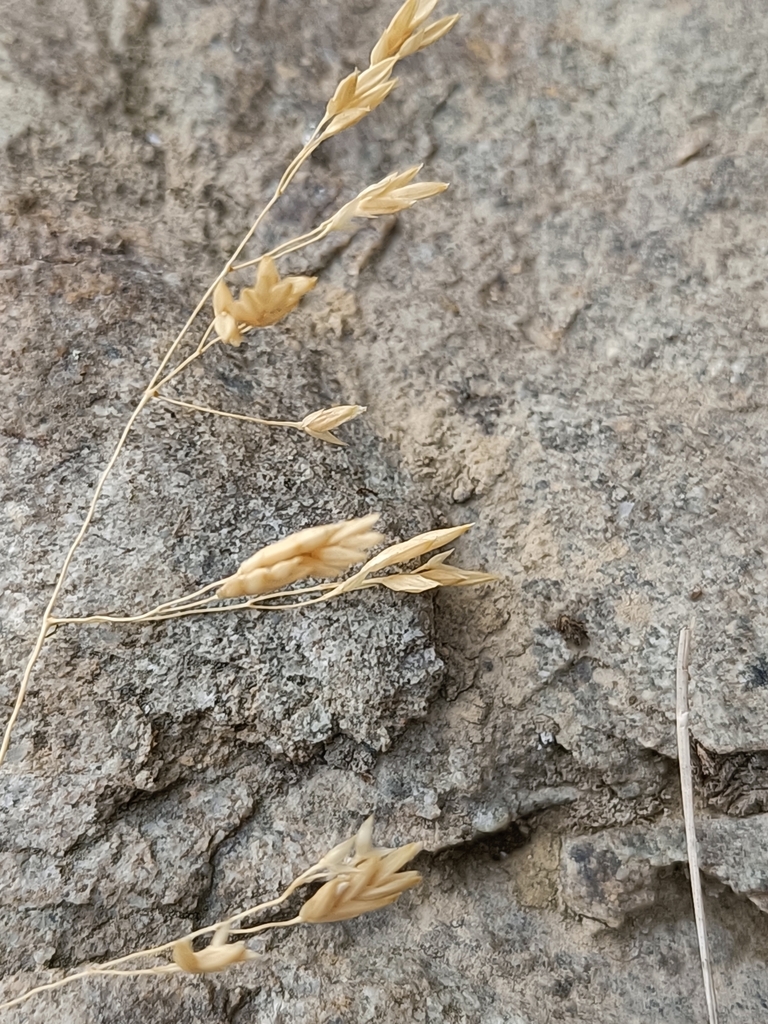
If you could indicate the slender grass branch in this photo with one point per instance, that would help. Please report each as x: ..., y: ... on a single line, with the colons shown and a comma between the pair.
x: 194, y: 407
x: 177, y: 607
x: 316, y: 235
x: 157, y: 381
x: 252, y: 604
x: 203, y: 347
x: 108, y: 967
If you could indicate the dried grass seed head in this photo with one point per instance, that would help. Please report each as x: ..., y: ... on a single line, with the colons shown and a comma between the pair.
x: 269, y: 300
x: 436, y: 573
x: 396, y: 553
x: 428, y: 35
x: 319, y: 551
x: 362, y: 91
x: 388, y: 196
x: 357, y: 95
x: 422, y: 579
x: 406, y: 21
x: 217, y: 956
x: 362, y: 878
x: 414, y: 547
x: 320, y: 424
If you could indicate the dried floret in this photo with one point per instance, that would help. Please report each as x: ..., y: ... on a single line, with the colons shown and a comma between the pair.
x: 217, y: 956
x: 320, y: 551
x: 269, y: 300
x: 390, y: 195
x: 320, y: 424
x: 362, y: 91
x: 362, y: 878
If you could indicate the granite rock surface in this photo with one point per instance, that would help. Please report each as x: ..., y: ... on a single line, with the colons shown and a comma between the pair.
x: 567, y: 348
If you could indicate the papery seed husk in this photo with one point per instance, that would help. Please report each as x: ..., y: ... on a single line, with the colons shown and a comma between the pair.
x: 343, y: 95
x: 405, y: 583
x: 411, y: 15
x: 396, y: 858
x: 324, y: 435
x: 309, y: 539
x: 215, y: 957
x: 427, y: 36
x: 363, y: 105
x: 329, y: 419
x: 452, y: 576
x: 414, y: 547
x: 330, y: 903
x: 377, y: 73
x: 267, y: 302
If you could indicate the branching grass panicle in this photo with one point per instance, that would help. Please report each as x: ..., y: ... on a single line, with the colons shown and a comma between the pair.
x: 356, y: 876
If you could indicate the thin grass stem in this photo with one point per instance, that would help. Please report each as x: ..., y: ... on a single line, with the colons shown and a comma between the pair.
x: 686, y: 785
x: 107, y: 968
x: 161, y: 969
x: 300, y: 242
x: 199, y: 351
x: 157, y: 381
x: 177, y: 609
x: 194, y: 407
x: 264, y: 927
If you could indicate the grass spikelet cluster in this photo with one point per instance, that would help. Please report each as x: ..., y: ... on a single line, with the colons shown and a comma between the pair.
x: 319, y: 551
x: 366, y: 878
x: 269, y: 301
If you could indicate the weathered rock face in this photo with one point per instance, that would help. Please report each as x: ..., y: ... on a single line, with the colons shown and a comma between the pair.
x: 567, y: 348
x: 611, y: 874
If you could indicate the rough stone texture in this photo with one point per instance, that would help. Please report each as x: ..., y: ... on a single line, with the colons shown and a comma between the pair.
x: 614, y: 873
x: 567, y: 348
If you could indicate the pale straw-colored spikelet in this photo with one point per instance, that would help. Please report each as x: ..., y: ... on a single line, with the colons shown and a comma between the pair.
x: 408, y: 19
x: 390, y: 195
x: 269, y: 300
x: 435, y: 573
x: 454, y: 576
x: 320, y: 424
x: 362, y: 878
x: 217, y: 956
x: 362, y: 91
x: 427, y: 35
x: 415, y: 547
x: 320, y: 551
x: 407, y: 550
x: 357, y: 95
x: 431, y: 575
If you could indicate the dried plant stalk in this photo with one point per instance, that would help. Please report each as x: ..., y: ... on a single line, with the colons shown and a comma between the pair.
x: 682, y: 715
x: 270, y: 298
x: 358, y: 876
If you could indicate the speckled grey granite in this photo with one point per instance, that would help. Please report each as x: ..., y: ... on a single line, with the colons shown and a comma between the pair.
x: 614, y: 873
x: 567, y: 348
